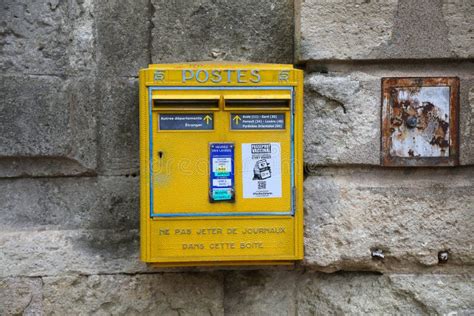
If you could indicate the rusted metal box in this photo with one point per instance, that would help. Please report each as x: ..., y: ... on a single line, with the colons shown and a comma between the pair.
x: 420, y: 121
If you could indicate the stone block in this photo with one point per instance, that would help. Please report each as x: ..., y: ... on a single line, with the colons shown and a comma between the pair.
x: 47, y: 37
x: 359, y: 293
x: 123, y: 37
x: 343, y: 111
x: 342, y: 119
x: 49, y: 119
x: 118, y: 127
x: 394, y: 29
x: 260, y: 292
x: 21, y: 296
x: 61, y: 252
x: 69, y: 203
x: 222, y: 30
x: 142, y: 294
x: 458, y: 16
x: 409, y: 214
x: 466, y: 124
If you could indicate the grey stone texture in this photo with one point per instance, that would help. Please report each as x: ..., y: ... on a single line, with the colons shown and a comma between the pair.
x: 411, y: 215
x: 260, y: 293
x: 118, y: 127
x: 79, y: 61
x: 69, y: 203
x: 239, y: 293
x: 47, y: 37
x: 342, y: 119
x: 123, y: 36
x: 392, y: 29
x: 222, y: 30
x: 51, y: 119
x: 152, y: 294
x: 405, y: 294
x: 60, y: 252
x: 21, y: 296
x: 343, y: 110
x: 69, y: 200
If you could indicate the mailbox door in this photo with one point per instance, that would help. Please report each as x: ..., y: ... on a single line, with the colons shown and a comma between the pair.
x: 183, y: 130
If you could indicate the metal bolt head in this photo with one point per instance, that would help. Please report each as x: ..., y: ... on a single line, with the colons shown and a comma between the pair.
x: 443, y: 256
x: 411, y: 122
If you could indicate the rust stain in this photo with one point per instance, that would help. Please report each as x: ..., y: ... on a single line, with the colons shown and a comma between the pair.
x: 420, y: 121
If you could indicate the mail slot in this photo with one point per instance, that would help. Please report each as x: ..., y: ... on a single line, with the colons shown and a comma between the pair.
x: 221, y: 164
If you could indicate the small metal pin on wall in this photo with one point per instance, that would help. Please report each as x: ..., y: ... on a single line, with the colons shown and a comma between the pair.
x: 377, y: 254
x: 443, y: 256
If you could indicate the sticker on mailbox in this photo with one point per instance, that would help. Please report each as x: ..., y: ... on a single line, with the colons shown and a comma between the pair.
x: 261, y: 176
x: 257, y: 121
x: 221, y: 184
x: 184, y: 122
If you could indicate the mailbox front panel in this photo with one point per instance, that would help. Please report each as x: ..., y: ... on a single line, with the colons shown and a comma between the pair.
x: 221, y: 167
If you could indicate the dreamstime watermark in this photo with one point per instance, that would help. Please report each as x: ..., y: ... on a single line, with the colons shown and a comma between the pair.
x: 165, y: 168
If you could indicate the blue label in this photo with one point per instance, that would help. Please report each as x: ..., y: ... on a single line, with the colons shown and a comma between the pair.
x: 186, y: 122
x: 258, y: 121
x: 221, y: 166
x: 221, y: 194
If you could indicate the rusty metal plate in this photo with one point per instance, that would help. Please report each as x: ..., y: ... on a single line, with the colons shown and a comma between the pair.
x: 420, y: 121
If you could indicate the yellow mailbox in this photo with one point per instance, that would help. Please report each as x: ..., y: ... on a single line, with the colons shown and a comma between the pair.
x: 221, y: 170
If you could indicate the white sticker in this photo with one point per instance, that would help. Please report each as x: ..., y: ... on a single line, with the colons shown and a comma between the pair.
x: 221, y: 165
x: 222, y: 182
x: 261, y: 170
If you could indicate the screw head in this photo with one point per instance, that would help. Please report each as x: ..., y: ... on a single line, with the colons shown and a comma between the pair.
x: 443, y: 256
x: 411, y: 122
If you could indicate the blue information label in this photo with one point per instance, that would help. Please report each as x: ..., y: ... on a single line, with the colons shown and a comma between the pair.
x: 186, y: 122
x: 257, y: 121
x: 221, y: 180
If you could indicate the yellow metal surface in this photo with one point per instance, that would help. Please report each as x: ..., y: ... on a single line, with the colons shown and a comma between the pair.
x: 179, y: 226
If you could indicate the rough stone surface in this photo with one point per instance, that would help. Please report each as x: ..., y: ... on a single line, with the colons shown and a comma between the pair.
x: 59, y: 252
x: 260, y: 293
x: 54, y: 121
x: 69, y: 240
x: 410, y: 215
x: 342, y: 119
x: 356, y: 293
x: 118, y: 127
x: 222, y: 30
x: 341, y: 29
x: 47, y: 37
x: 68, y: 203
x: 459, y: 18
x: 123, y: 36
x: 21, y: 296
x: 466, y: 128
x: 153, y: 294
x: 342, y: 111
x: 395, y: 29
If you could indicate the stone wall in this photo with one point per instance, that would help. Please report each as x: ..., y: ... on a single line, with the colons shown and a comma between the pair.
x: 69, y: 156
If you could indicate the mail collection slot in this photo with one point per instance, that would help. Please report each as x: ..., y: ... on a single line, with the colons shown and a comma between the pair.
x: 221, y: 164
